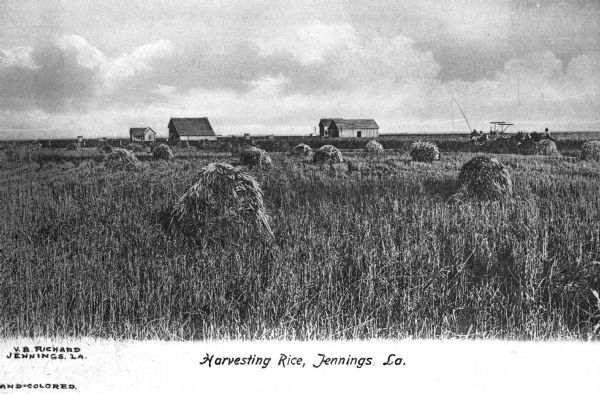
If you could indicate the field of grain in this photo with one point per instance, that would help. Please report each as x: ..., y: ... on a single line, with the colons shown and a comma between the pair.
x: 370, y: 249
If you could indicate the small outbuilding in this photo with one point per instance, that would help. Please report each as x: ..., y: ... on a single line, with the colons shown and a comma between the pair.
x: 353, y: 128
x: 191, y: 129
x: 142, y: 134
x: 324, y: 126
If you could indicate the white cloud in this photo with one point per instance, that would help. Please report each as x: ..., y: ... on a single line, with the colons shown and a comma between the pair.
x: 68, y: 73
x: 86, y: 54
x: 394, y: 61
x: 483, y: 21
x: 585, y: 69
x: 164, y: 90
x: 129, y: 64
x: 308, y: 42
x: 16, y: 57
x: 114, y: 70
x: 268, y: 84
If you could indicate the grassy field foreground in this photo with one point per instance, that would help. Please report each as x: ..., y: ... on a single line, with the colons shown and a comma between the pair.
x: 366, y: 251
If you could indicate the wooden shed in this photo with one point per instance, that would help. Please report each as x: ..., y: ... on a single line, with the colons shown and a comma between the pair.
x: 190, y: 129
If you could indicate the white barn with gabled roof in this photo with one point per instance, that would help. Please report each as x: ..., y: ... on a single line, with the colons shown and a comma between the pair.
x: 353, y: 128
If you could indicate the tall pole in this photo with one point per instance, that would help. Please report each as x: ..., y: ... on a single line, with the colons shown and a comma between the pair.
x: 452, y: 106
x: 463, y: 114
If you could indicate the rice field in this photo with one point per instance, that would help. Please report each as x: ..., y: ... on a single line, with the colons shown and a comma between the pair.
x: 368, y: 248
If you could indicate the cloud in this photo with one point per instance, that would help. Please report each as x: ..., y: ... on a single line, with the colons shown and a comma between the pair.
x: 67, y: 72
x: 395, y: 61
x: 308, y: 42
x: 130, y: 64
x: 57, y: 80
x: 268, y: 84
x: 586, y: 70
x: 377, y: 64
x: 471, y: 40
x: 87, y: 56
x: 16, y: 57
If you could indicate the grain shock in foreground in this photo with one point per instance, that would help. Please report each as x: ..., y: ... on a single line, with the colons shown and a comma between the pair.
x: 225, y: 201
x: 484, y: 178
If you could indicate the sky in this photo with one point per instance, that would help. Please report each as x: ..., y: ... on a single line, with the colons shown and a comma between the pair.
x: 90, y: 68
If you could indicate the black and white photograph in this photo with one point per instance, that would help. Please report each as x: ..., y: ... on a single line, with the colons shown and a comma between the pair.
x: 300, y: 196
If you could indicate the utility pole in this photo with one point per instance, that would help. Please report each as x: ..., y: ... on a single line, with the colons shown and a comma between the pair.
x: 452, y: 106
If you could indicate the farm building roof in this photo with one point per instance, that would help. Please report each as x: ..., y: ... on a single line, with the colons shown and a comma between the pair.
x: 192, y: 126
x: 327, y: 121
x: 356, y: 123
x: 138, y: 131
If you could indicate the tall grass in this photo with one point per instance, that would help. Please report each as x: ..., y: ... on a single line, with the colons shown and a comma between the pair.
x: 370, y: 253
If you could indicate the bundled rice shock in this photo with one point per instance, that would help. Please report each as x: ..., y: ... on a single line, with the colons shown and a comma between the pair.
x: 253, y: 156
x: 301, y: 150
x: 545, y: 148
x: 590, y: 150
x: 374, y: 147
x: 162, y: 152
x: 327, y: 154
x: 424, y: 151
x: 484, y: 178
x: 224, y: 201
x: 122, y: 160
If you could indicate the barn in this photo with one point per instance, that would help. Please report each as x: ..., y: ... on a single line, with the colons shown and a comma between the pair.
x: 324, y: 126
x: 142, y: 134
x: 353, y: 128
x: 190, y: 129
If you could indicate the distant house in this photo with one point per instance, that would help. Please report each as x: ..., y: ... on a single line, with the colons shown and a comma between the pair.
x: 142, y: 134
x: 353, y: 128
x: 324, y: 126
x: 190, y: 129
